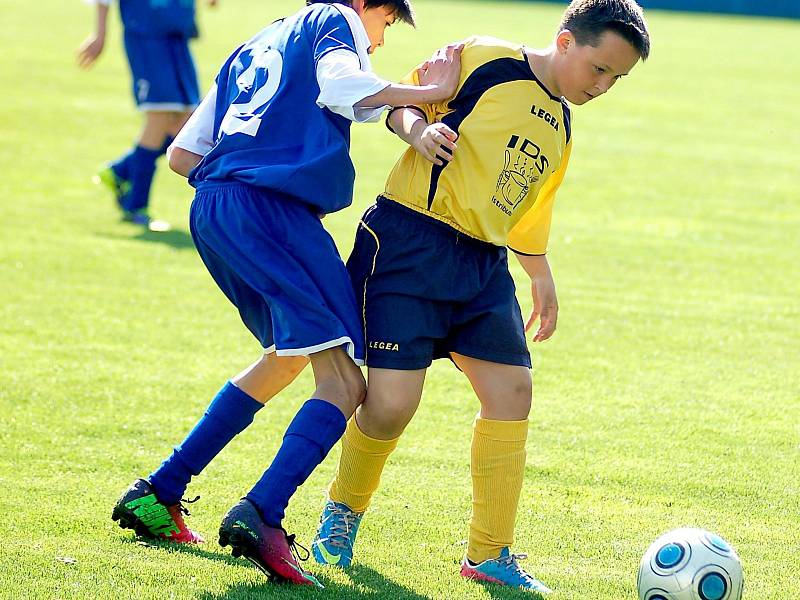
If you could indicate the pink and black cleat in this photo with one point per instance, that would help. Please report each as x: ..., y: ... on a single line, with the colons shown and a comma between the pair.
x: 270, y: 549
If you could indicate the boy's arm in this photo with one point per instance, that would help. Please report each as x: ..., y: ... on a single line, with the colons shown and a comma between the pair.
x: 543, y: 290
x: 435, y: 142
x: 195, y: 138
x: 439, y: 83
x: 361, y: 95
x: 93, y: 45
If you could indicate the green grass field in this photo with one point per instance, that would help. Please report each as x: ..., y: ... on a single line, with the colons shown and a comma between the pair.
x: 669, y: 396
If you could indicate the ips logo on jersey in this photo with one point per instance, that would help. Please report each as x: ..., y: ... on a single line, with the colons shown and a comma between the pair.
x: 524, y: 164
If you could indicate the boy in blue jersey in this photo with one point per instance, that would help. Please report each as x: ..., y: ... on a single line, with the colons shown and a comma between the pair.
x: 268, y: 153
x: 156, y: 35
x: 430, y: 266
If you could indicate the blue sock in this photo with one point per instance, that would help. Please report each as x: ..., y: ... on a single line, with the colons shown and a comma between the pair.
x: 316, y: 427
x: 122, y: 166
x: 166, y: 144
x: 229, y: 413
x: 142, y: 170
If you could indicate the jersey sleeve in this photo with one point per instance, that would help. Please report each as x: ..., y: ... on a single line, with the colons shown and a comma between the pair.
x: 197, y: 135
x: 342, y: 84
x: 331, y: 30
x: 529, y: 236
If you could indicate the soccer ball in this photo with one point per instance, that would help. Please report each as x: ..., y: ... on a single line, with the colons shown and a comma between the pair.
x: 690, y: 564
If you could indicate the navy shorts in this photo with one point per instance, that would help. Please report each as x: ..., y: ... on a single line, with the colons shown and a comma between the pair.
x: 427, y: 290
x: 272, y: 258
x: 164, y: 75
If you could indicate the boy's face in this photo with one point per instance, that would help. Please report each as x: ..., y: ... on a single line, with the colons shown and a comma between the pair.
x: 376, y: 20
x: 584, y: 72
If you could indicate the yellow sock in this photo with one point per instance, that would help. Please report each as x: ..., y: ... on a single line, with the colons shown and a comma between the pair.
x: 360, y: 467
x: 498, y: 464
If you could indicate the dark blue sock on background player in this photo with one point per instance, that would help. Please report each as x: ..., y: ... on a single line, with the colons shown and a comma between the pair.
x: 229, y: 413
x: 315, y: 429
x: 142, y: 170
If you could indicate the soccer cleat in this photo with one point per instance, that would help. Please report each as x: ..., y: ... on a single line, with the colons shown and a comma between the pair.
x: 504, y: 570
x: 115, y: 184
x: 338, y: 526
x: 270, y: 549
x: 139, y: 509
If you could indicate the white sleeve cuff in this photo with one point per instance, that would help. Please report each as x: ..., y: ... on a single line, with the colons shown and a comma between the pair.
x: 343, y: 84
x: 197, y: 135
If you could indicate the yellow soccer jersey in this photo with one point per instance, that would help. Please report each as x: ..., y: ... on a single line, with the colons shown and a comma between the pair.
x: 513, y: 148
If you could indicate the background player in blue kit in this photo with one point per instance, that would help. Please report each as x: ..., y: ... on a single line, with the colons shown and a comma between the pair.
x: 268, y: 152
x: 156, y: 34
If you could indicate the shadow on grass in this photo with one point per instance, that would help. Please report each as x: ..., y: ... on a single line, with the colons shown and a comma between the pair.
x: 500, y: 592
x: 365, y: 583
x: 176, y: 238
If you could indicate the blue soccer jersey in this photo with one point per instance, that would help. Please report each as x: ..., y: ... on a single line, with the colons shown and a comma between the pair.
x: 269, y: 130
x: 157, y: 18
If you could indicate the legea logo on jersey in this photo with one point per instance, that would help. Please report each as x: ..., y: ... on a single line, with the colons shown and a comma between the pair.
x: 391, y: 346
x: 524, y: 164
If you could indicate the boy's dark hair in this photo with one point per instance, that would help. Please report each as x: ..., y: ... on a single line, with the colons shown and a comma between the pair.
x: 401, y: 8
x: 588, y: 20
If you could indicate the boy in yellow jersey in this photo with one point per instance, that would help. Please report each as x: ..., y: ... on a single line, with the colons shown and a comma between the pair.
x: 430, y: 269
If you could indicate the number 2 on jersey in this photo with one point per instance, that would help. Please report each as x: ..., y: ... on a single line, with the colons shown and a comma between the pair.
x: 257, y: 85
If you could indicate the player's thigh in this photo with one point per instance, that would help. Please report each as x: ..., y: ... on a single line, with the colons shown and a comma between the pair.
x: 393, y: 397
x: 504, y: 391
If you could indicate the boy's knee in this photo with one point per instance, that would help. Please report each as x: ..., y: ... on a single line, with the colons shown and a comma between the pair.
x: 287, y: 366
x: 393, y: 415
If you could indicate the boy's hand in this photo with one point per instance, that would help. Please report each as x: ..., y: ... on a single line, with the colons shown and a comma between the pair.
x: 443, y: 70
x: 437, y: 143
x: 545, y: 308
x: 90, y: 49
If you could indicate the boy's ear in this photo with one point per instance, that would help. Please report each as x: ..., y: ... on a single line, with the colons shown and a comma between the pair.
x: 564, y: 41
x: 358, y: 6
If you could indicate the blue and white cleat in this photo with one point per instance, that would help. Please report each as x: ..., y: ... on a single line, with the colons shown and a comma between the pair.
x: 336, y: 535
x: 504, y: 570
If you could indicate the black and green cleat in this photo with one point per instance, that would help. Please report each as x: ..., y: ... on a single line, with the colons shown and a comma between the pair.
x: 140, y: 510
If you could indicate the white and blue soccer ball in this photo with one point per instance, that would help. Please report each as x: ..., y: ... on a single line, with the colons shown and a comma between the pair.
x: 690, y: 564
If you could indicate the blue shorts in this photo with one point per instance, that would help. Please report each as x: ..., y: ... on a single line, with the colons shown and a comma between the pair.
x: 164, y: 76
x: 275, y: 262
x: 427, y: 290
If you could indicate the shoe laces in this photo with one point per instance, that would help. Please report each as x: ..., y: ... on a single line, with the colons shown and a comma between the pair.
x: 511, y: 561
x: 185, y: 510
x: 342, y: 522
x: 295, y: 548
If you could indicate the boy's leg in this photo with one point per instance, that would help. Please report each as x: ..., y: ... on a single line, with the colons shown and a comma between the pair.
x: 317, y: 426
x: 152, y: 508
x: 498, y: 465
x: 372, y: 434
x: 141, y: 164
x: 253, y: 526
x: 131, y: 176
x: 230, y: 413
x: 392, y: 399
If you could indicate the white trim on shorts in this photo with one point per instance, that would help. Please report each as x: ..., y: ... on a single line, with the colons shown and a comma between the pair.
x: 350, y: 348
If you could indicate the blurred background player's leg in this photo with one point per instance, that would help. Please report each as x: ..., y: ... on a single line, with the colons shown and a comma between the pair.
x: 131, y: 175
